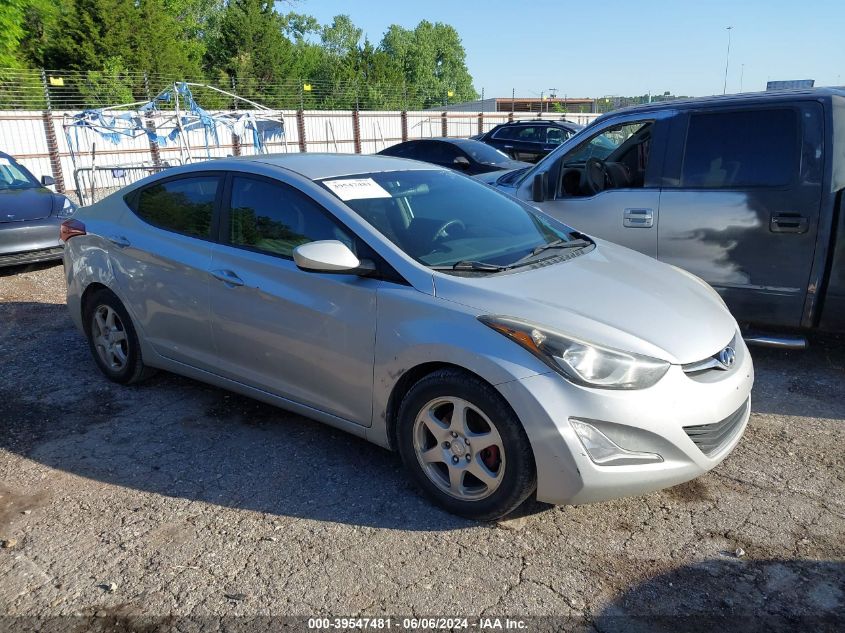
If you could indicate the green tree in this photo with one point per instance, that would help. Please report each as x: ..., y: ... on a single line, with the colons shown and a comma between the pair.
x: 11, y: 31
x: 433, y: 61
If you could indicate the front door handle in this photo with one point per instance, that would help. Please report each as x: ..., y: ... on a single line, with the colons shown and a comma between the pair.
x: 788, y: 223
x: 638, y: 218
x: 119, y: 240
x: 228, y: 277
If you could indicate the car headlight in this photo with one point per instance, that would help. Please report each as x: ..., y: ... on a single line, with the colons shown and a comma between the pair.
x: 67, y: 210
x: 578, y: 361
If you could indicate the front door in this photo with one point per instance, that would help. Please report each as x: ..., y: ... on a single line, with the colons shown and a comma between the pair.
x: 740, y: 205
x: 303, y: 336
x: 608, y: 185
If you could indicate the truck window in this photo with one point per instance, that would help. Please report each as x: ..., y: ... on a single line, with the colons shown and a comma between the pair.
x: 614, y: 158
x: 751, y: 148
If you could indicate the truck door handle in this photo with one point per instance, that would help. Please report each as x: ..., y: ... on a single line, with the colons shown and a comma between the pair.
x: 788, y: 223
x: 118, y: 240
x: 228, y: 277
x: 638, y: 218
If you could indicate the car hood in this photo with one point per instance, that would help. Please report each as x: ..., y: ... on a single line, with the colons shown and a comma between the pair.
x: 18, y: 205
x: 611, y: 296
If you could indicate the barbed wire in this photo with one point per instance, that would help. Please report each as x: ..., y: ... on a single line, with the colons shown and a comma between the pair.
x: 34, y: 89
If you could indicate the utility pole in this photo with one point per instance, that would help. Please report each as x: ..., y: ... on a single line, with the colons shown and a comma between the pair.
x: 727, y: 59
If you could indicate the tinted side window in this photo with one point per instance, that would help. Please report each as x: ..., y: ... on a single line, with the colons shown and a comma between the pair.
x: 741, y: 149
x: 556, y: 135
x: 531, y: 134
x: 184, y: 205
x: 505, y: 133
x: 276, y: 218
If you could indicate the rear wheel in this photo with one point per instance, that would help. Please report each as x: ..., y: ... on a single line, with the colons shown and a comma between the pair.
x: 112, y: 339
x: 464, y: 446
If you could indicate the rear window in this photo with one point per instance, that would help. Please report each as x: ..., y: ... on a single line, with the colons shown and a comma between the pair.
x: 755, y: 148
x: 181, y: 205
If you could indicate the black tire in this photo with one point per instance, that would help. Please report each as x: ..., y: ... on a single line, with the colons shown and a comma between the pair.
x: 133, y: 370
x: 519, y: 479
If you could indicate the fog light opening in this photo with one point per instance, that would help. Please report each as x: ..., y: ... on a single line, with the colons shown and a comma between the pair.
x: 604, y: 451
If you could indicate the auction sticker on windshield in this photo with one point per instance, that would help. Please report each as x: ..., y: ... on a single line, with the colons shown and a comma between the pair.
x: 356, y: 188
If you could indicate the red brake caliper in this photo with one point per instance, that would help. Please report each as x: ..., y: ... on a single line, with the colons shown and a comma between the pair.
x: 491, y: 458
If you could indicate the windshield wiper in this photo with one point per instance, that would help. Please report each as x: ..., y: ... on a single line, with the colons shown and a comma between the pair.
x: 466, y: 264
x: 557, y: 244
x: 561, y: 243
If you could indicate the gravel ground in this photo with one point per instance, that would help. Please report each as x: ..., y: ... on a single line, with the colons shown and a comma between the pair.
x: 172, y: 498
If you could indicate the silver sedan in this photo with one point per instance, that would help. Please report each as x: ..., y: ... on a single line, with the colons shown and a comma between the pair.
x: 503, y: 354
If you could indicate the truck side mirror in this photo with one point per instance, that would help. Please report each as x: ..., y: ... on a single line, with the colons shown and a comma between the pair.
x: 539, y: 186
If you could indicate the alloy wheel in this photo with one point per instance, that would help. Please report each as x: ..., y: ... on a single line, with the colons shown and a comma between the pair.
x: 459, y: 448
x: 110, y: 339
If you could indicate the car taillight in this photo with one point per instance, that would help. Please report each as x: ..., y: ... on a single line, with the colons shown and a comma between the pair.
x: 71, y: 228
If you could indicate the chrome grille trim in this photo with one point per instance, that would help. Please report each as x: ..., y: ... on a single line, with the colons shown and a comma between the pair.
x: 711, y: 438
x: 711, y: 362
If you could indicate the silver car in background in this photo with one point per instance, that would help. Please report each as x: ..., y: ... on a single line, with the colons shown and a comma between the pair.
x: 30, y: 215
x: 499, y: 351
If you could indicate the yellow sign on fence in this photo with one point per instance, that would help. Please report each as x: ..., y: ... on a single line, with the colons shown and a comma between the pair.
x: 307, y: 87
x: 57, y: 81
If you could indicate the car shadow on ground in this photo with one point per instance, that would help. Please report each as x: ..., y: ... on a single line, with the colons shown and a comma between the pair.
x: 180, y: 438
x: 11, y: 271
x: 730, y: 594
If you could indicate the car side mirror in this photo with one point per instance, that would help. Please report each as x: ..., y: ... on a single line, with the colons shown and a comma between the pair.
x: 539, y: 187
x: 47, y: 181
x: 461, y: 162
x: 330, y: 256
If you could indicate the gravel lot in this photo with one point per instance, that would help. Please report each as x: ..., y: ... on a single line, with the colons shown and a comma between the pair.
x: 196, y: 502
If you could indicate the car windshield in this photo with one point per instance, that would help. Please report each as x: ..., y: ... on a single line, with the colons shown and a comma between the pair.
x: 14, y: 176
x: 443, y: 219
x: 483, y: 153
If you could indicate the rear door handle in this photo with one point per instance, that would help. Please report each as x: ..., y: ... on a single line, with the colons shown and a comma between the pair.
x: 638, y: 218
x: 788, y: 223
x: 228, y: 277
x: 118, y: 240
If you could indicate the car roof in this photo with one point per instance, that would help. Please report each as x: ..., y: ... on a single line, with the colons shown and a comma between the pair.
x: 744, y: 98
x: 318, y: 166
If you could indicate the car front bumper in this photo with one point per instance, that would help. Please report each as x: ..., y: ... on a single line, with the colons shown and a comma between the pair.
x: 650, y: 420
x: 30, y: 241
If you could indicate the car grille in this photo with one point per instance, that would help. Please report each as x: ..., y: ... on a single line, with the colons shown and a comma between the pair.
x: 710, y: 363
x: 710, y: 438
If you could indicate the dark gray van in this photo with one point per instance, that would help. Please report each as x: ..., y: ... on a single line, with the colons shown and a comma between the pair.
x: 745, y: 191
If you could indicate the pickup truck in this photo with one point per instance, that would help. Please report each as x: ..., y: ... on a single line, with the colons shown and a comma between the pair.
x: 744, y: 191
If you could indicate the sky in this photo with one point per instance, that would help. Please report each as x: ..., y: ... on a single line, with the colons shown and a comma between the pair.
x: 610, y: 47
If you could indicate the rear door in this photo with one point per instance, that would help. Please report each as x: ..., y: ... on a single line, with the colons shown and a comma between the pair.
x: 740, y: 205
x: 161, y: 254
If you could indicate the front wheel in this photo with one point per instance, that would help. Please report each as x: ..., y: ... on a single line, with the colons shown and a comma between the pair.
x: 464, y: 446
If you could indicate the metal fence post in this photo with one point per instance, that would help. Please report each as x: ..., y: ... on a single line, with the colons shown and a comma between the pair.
x: 481, y: 123
x: 50, y: 135
x: 155, y: 154
x: 356, y: 130
x: 444, y: 124
x: 300, y: 127
x: 403, y: 118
